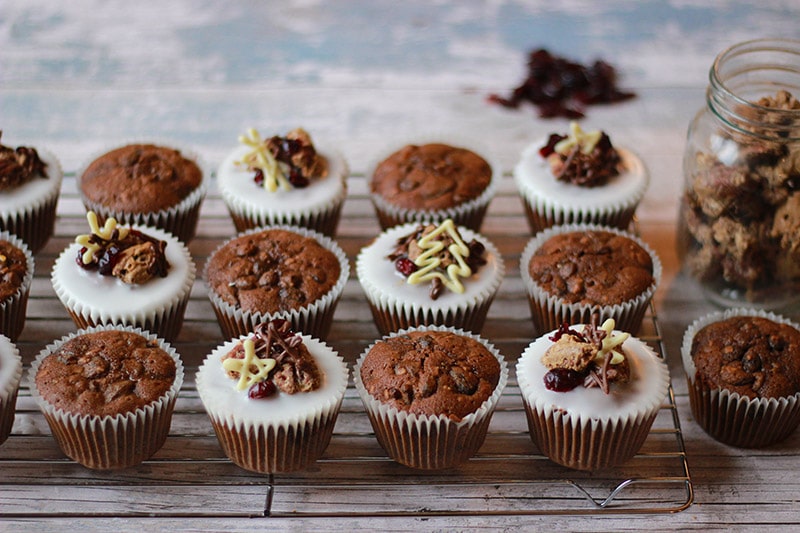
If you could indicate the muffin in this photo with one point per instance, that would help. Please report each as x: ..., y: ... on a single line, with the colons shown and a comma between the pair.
x: 134, y: 275
x: 276, y: 272
x: 572, y: 272
x: 107, y: 394
x: 425, y: 274
x: 16, y: 275
x: 591, y: 394
x: 432, y: 182
x: 147, y: 185
x: 10, y: 375
x: 579, y: 178
x: 430, y: 393
x: 273, y: 397
x: 743, y: 370
x: 30, y: 183
x: 283, y: 180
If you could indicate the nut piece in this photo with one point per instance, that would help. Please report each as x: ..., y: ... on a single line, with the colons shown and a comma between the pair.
x: 137, y: 264
x: 569, y: 353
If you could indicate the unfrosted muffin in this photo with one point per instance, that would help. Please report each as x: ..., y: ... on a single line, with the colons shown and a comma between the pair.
x: 430, y: 274
x: 107, y: 394
x: 591, y: 394
x: 135, y: 275
x: 283, y: 180
x: 30, y: 183
x: 572, y: 272
x: 276, y: 272
x: 743, y: 370
x: 16, y: 275
x: 147, y: 185
x: 430, y: 393
x: 433, y: 181
x: 277, y: 413
x: 10, y: 376
x: 579, y: 178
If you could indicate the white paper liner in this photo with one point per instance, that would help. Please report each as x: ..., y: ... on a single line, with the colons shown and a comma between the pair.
x: 164, y: 320
x: 322, y: 217
x: 549, y: 312
x: 728, y: 416
x: 544, y: 210
x: 469, y: 214
x: 430, y: 442
x: 110, y: 442
x: 34, y: 221
x: 590, y: 441
x: 10, y: 376
x: 314, y: 319
x: 392, y: 313
x: 180, y: 220
x: 14, y: 308
x: 292, y: 441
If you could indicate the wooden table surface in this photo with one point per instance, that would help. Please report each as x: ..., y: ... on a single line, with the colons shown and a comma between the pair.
x: 76, y: 77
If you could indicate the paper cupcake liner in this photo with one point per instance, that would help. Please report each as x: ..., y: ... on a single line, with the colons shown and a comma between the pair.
x: 14, y: 308
x: 289, y: 444
x: 469, y: 214
x: 323, y: 218
x: 165, y: 320
x: 11, y: 374
x: 549, y: 311
x: 110, y: 442
x: 314, y: 319
x: 543, y: 212
x: 430, y: 442
x: 34, y: 223
x: 391, y: 313
x: 728, y: 416
x: 180, y: 220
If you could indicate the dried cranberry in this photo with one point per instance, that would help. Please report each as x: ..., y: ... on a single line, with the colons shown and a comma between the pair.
x: 297, y: 179
x: 405, y: 266
x: 262, y: 389
x: 564, y: 329
x: 562, y: 379
x: 550, y: 147
x: 259, y: 177
x: 105, y: 265
x: 79, y: 260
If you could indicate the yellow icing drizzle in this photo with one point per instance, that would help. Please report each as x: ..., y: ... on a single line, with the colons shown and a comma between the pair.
x: 106, y: 232
x: 261, y: 158
x: 247, y: 378
x: 429, y: 260
x: 611, y: 341
x: 586, y: 140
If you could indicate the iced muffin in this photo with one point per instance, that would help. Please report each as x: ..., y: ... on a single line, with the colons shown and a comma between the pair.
x: 432, y: 182
x: 30, y: 183
x: 579, y: 178
x: 430, y: 393
x: 283, y: 180
x: 591, y: 394
x: 10, y: 376
x: 743, y: 369
x: 147, y: 185
x: 16, y: 275
x: 107, y: 394
x: 273, y: 397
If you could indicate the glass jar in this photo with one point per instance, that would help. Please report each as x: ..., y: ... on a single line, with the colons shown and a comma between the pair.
x: 739, y: 220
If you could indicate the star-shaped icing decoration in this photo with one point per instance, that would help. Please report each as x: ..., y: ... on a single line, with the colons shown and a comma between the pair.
x: 259, y: 157
x: 247, y: 378
x: 610, y: 342
x: 585, y: 140
x: 430, y: 260
x: 105, y: 233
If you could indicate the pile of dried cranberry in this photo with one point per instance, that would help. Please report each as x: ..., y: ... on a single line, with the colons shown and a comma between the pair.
x: 560, y: 87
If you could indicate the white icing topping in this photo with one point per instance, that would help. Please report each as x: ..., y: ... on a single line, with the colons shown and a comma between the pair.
x: 35, y: 190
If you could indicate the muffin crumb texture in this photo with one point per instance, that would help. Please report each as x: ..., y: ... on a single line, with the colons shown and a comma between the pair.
x: 105, y: 373
x: 753, y: 356
x: 431, y: 373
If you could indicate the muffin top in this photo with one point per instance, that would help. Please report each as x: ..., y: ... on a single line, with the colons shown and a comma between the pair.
x: 592, y: 267
x: 753, y: 356
x: 13, y: 267
x: 140, y: 178
x: 272, y: 271
x: 431, y: 176
x: 105, y: 373
x: 431, y: 373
